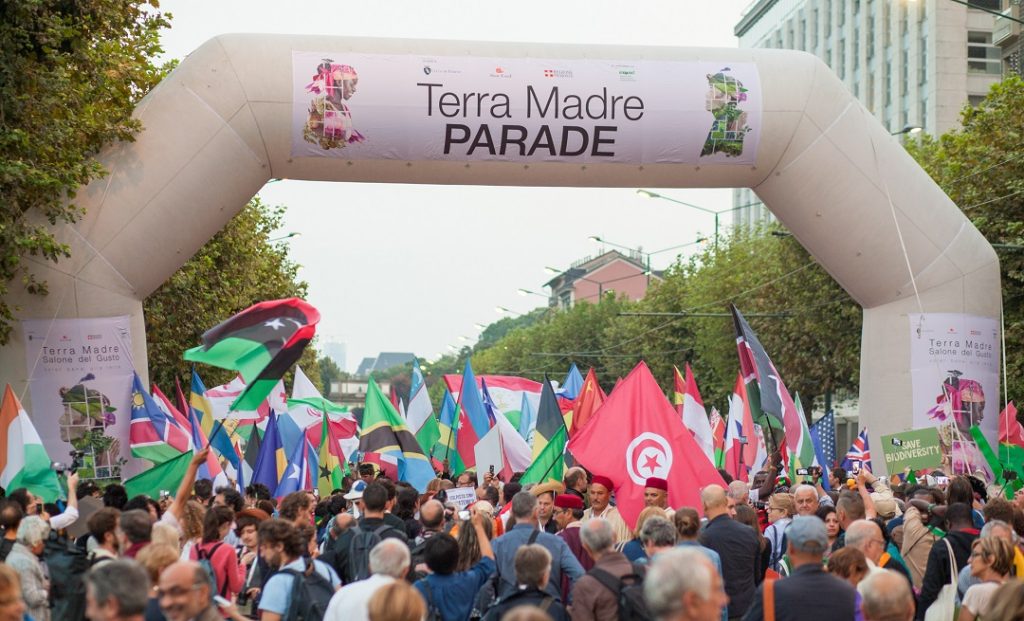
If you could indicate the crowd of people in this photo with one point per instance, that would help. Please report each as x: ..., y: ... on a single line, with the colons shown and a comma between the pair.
x: 837, y: 546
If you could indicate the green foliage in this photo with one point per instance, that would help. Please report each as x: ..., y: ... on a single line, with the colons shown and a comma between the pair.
x: 329, y: 372
x: 234, y: 270
x: 70, y: 76
x: 812, y: 330
x: 981, y: 167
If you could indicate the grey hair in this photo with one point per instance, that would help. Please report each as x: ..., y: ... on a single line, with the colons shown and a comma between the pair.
x: 659, y: 532
x: 523, y: 505
x: 859, y: 531
x: 33, y: 530
x: 886, y: 596
x: 991, y: 525
x: 739, y: 491
x: 803, y: 486
x: 674, y: 573
x: 390, y: 557
x: 597, y: 535
x: 531, y: 563
x: 124, y: 581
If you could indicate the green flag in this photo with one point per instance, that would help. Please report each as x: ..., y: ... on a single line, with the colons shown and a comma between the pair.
x: 166, y: 476
x: 549, y: 464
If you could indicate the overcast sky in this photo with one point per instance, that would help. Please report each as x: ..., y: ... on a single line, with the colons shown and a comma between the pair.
x: 413, y: 268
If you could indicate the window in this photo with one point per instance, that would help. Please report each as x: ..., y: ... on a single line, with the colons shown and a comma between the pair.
x: 982, y: 56
x: 870, y: 40
x: 922, y: 71
x: 841, y: 13
x: 828, y: 17
x: 904, y: 74
x: 922, y: 116
x: 995, y: 5
x: 887, y: 80
x: 841, y: 59
x: 975, y: 100
x: 803, y: 32
x: 856, y: 49
x: 814, y: 28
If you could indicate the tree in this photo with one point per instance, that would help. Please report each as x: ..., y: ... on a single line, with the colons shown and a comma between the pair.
x: 981, y: 168
x: 330, y: 372
x: 70, y: 76
x: 234, y: 270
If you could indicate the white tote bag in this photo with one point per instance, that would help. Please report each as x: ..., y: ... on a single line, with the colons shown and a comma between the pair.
x: 944, y: 607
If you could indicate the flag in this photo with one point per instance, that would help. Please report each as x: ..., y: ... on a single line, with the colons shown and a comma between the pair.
x: 272, y: 461
x: 823, y: 435
x: 222, y: 444
x: 23, y: 459
x: 804, y: 455
x: 573, y: 383
x: 718, y: 435
x: 262, y: 342
x: 252, y: 450
x: 527, y: 420
x: 1007, y: 461
x: 549, y: 419
x: 741, y: 442
x: 507, y: 392
x: 587, y: 402
x: 151, y: 435
x: 331, y: 466
x: 691, y: 409
x: 515, y: 452
x: 761, y: 451
x: 420, y: 413
x: 165, y: 476
x: 306, y: 411
x: 385, y: 432
x: 641, y: 436
x: 296, y: 473
x: 222, y: 397
x: 550, y: 463
x: 447, y: 425
x: 175, y: 416
x: 859, y: 454
x: 766, y: 391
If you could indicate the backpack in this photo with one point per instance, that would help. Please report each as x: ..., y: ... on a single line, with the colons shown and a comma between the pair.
x: 628, y: 590
x: 67, y: 564
x: 5, y: 548
x: 311, y: 593
x: 359, y: 547
x: 205, y: 561
x: 433, y: 612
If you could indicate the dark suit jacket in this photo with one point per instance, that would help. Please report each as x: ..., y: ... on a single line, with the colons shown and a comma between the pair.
x: 808, y: 594
x: 738, y: 546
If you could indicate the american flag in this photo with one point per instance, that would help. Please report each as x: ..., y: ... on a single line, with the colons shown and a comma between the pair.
x: 823, y: 435
x: 859, y: 454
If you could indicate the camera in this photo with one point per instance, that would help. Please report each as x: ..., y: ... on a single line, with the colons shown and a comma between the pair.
x: 164, y: 494
x: 897, y: 442
x: 463, y: 515
x: 803, y: 472
x: 760, y: 504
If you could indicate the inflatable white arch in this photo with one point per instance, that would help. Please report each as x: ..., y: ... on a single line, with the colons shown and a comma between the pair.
x: 227, y: 120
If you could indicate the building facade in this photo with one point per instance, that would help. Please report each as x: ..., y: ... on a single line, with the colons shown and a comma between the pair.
x: 592, y: 277
x: 911, y: 63
x: 1006, y: 34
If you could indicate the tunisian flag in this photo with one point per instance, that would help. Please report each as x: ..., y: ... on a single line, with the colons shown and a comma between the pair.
x: 637, y: 434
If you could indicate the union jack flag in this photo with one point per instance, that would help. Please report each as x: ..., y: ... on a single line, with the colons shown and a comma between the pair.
x: 859, y: 454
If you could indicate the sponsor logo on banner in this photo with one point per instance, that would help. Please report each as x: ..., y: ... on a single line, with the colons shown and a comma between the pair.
x: 557, y: 73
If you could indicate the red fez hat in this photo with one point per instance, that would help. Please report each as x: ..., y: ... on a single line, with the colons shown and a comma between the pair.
x: 568, y: 501
x: 657, y: 483
x: 603, y: 480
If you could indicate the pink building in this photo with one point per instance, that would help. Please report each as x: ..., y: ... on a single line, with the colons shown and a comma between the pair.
x: 591, y: 277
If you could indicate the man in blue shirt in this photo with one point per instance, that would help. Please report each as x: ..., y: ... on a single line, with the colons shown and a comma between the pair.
x: 449, y: 593
x: 284, y: 547
x: 524, y: 509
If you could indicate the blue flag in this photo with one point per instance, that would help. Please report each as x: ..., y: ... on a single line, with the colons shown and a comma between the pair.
x: 472, y: 404
x: 271, y: 461
x: 573, y: 383
x: 823, y: 437
x: 527, y: 419
x: 296, y: 473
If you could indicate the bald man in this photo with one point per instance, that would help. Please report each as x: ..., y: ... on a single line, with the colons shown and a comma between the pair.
x: 185, y: 593
x: 737, y: 545
x: 887, y: 597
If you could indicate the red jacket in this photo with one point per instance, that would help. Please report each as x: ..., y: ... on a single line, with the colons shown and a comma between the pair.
x: 225, y: 566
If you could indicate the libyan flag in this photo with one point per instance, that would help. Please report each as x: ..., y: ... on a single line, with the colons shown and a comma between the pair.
x: 261, y: 343
x: 166, y: 476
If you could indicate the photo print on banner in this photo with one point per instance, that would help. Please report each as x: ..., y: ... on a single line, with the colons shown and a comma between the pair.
x: 412, y: 107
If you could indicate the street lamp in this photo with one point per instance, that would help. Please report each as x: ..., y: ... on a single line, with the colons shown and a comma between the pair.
x: 479, y: 326
x: 288, y: 236
x: 908, y: 129
x: 717, y: 214
x: 526, y: 292
x: 501, y: 310
x: 463, y: 338
x: 576, y: 273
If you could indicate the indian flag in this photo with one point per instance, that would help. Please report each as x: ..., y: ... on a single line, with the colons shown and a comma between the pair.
x: 23, y: 460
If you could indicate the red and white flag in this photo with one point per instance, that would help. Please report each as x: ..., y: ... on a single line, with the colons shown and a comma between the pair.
x: 637, y: 434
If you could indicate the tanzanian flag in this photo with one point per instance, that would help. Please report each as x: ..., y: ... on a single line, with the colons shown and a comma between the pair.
x: 447, y: 425
x: 261, y: 343
x: 385, y: 432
